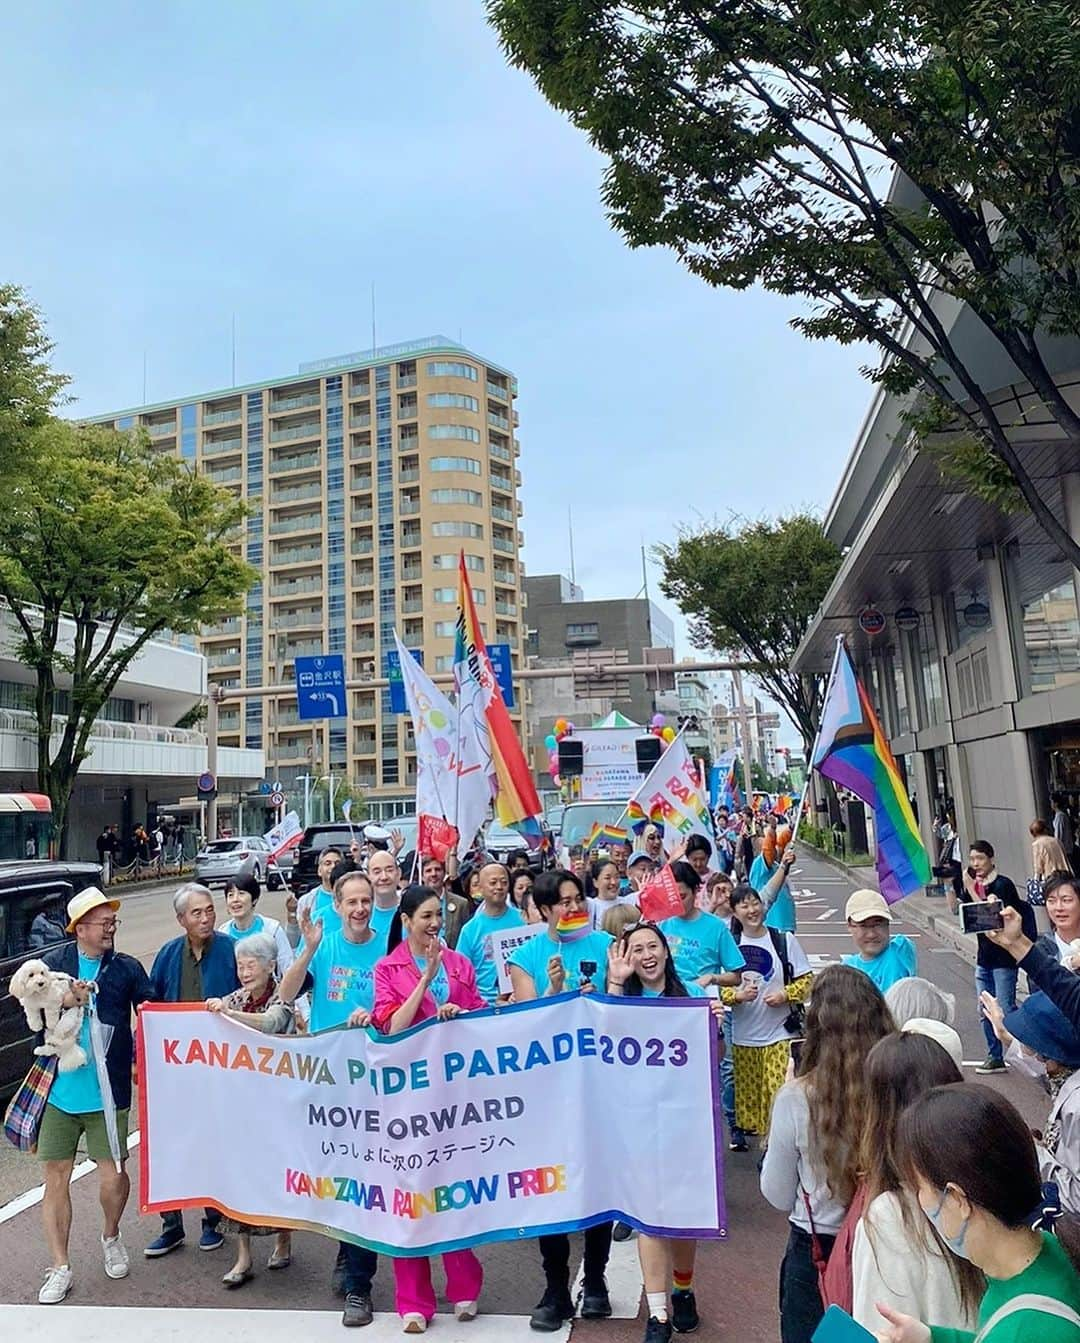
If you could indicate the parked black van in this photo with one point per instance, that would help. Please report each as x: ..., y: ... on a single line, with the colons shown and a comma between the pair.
x: 33, y: 916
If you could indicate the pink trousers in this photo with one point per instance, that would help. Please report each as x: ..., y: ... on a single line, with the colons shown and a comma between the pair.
x: 412, y: 1282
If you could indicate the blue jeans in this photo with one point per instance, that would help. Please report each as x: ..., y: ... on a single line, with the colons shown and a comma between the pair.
x: 727, y: 1077
x: 1002, y: 984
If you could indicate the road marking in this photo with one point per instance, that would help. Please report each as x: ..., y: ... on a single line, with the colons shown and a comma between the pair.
x: 827, y: 915
x: 801, y: 933
x: 819, y: 959
x: 135, y: 1324
x: 33, y: 1197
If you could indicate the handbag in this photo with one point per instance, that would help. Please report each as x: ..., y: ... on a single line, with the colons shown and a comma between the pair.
x: 22, y: 1119
x: 1035, y: 891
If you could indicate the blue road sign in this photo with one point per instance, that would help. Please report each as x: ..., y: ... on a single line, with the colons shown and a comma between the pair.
x: 320, y: 687
x: 500, y: 665
x: 398, y: 703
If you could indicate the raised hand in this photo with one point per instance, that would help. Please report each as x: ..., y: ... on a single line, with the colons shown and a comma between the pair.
x: 432, y: 960
x: 619, y: 967
x: 397, y: 842
x: 311, y: 930
x: 556, y: 973
x: 1011, y: 934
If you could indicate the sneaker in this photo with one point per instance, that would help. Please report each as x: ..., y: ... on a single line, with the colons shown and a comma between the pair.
x: 737, y: 1142
x: 623, y: 1231
x: 657, y: 1331
x: 115, y: 1254
x: 413, y: 1324
x: 595, y: 1302
x: 466, y: 1310
x: 991, y: 1065
x: 357, y: 1310
x: 168, y: 1241
x: 553, y: 1310
x: 56, y: 1286
x: 684, y: 1316
x: 211, y: 1238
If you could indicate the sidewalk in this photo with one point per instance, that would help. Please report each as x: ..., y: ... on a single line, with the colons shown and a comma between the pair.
x: 928, y: 912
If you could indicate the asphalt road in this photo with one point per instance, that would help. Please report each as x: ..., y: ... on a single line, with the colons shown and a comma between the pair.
x: 735, y: 1280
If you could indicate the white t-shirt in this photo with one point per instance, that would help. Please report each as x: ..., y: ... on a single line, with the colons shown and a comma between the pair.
x: 757, y: 1023
x: 1064, y: 950
x: 598, y: 908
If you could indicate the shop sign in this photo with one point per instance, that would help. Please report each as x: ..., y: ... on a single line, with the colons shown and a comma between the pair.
x: 907, y: 618
x: 871, y: 620
x: 977, y: 615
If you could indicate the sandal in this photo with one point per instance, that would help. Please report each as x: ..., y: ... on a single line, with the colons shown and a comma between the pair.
x: 236, y: 1277
x: 279, y: 1260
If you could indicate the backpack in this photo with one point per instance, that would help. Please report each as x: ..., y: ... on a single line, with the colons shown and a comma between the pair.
x: 1045, y: 1305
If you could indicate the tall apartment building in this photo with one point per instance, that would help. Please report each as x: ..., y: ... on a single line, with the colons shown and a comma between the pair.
x: 365, y: 475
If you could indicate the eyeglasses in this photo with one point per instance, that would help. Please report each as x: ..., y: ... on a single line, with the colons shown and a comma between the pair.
x: 110, y: 927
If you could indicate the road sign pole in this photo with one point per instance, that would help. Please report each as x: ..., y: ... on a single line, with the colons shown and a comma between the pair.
x: 212, y: 758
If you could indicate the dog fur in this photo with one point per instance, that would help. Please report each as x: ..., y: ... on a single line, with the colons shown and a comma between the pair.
x: 41, y: 992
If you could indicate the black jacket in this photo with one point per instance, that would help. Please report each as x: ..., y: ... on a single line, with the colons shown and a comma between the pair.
x: 1061, y: 986
x: 989, y: 955
x: 122, y: 985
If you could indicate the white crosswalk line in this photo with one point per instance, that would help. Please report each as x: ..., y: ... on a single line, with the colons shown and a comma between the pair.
x: 827, y: 915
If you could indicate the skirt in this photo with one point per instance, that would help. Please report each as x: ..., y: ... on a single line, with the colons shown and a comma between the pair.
x: 760, y: 1071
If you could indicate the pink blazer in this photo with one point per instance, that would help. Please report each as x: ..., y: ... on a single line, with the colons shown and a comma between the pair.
x: 396, y: 976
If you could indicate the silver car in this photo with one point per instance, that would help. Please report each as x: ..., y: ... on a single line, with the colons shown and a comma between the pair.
x: 223, y: 860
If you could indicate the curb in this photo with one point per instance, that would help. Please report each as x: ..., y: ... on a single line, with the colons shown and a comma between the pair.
x: 939, y: 925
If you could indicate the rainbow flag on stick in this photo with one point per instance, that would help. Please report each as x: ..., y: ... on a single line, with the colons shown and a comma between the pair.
x: 852, y: 751
x: 480, y: 701
x: 606, y: 834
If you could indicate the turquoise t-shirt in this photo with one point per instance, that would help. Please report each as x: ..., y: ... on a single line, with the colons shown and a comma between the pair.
x: 896, y: 962
x: 781, y: 913
x: 534, y: 955
x: 475, y: 943
x: 701, y: 946
x: 236, y: 934
x: 439, y: 988
x: 344, y: 975
x: 79, y: 1091
x: 381, y: 919
x: 693, y: 990
x: 322, y: 907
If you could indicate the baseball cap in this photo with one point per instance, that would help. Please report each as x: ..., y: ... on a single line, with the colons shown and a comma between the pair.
x: 639, y: 857
x: 80, y: 905
x: 865, y: 905
x: 940, y: 1032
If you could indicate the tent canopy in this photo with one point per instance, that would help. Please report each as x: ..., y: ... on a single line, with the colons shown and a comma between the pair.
x: 616, y: 719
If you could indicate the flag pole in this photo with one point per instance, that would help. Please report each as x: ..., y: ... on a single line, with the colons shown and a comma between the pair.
x: 817, y: 737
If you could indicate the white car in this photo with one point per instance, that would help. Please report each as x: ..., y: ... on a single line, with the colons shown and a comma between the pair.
x: 223, y: 860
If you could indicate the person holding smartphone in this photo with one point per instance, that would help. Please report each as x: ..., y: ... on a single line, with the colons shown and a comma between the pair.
x: 995, y: 970
x: 569, y: 958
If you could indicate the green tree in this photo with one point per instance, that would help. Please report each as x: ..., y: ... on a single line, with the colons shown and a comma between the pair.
x: 29, y: 389
x: 105, y: 543
x: 755, y: 587
x: 344, y: 791
x: 883, y: 162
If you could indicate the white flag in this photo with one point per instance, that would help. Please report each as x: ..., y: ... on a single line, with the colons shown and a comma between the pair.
x: 671, y: 795
x: 451, y: 779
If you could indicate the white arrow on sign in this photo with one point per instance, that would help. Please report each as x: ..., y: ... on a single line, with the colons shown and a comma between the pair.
x: 326, y: 694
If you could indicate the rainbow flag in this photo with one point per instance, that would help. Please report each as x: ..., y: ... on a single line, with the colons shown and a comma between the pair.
x: 480, y: 701
x: 572, y: 927
x: 852, y: 751
x: 606, y: 834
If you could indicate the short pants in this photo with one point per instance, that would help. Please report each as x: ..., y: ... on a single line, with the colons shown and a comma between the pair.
x: 58, y: 1137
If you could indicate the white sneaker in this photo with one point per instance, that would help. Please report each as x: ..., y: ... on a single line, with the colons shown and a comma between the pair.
x: 56, y: 1286
x: 115, y: 1254
x: 413, y: 1324
x: 465, y: 1310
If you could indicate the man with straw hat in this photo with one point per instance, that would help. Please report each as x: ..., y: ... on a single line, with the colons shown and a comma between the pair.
x: 92, y: 1100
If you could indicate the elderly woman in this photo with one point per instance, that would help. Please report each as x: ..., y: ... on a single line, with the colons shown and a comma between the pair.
x: 241, y: 897
x: 916, y: 999
x: 256, y: 1003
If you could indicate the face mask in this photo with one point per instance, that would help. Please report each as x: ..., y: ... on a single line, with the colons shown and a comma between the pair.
x: 572, y: 927
x: 955, y: 1243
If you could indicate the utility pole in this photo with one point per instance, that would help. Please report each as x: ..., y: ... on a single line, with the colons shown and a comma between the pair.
x: 744, y: 733
x: 212, y: 702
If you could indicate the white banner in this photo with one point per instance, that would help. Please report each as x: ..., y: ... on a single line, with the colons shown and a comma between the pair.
x: 544, y: 1116
x: 504, y: 943
x: 609, y: 762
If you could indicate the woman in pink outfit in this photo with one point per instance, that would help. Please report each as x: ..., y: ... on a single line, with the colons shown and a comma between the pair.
x: 421, y: 978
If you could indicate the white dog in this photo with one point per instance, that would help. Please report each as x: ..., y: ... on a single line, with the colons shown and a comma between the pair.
x: 41, y: 992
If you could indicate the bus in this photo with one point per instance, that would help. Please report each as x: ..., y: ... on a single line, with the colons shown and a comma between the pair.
x: 25, y: 825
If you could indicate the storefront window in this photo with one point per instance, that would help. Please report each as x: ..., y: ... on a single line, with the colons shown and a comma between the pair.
x: 930, y: 671
x: 1051, y: 634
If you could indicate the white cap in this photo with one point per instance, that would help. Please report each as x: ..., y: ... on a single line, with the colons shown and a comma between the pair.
x: 942, y: 1034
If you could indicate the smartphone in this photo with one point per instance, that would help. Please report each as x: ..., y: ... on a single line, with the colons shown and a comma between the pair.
x: 837, y: 1326
x: 981, y: 916
x: 587, y: 969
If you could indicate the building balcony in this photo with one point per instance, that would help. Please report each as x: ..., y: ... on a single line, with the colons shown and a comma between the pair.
x: 498, y: 421
x: 506, y: 577
x: 503, y: 454
x: 404, y: 477
x: 360, y: 452
x: 230, y: 626
x: 313, y: 429
x: 412, y: 572
x: 493, y: 389
x: 297, y: 555
x: 363, y: 611
x: 227, y: 657
x: 406, y: 380
x: 303, y: 648
x: 360, y: 483
x: 364, y: 644
x: 361, y: 515
x: 503, y: 545
x: 362, y: 546
x: 411, y: 607
x: 300, y: 461
x: 505, y: 608
x: 408, y: 506
x: 292, y: 493
x: 167, y: 430
x: 359, y: 421
x: 310, y: 617
x: 218, y: 447
x: 307, y: 522
x: 409, y: 442
x: 500, y: 482
x: 503, y: 514
x: 231, y: 416
x: 285, y: 403
x: 296, y: 588
x: 410, y: 537
x: 229, y: 475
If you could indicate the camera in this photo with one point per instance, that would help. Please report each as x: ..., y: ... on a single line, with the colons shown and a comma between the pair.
x: 981, y: 916
x: 587, y: 969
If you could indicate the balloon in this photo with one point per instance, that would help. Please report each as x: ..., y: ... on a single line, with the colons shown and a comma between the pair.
x: 668, y: 734
x: 560, y: 725
x: 570, y: 727
x: 556, y: 780
x: 783, y: 837
x: 550, y: 741
x: 553, y: 763
x: 657, y: 720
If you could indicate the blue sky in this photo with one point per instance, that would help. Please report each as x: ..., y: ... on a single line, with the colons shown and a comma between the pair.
x: 172, y: 164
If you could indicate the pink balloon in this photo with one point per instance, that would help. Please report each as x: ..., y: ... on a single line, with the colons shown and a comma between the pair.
x: 442, y: 746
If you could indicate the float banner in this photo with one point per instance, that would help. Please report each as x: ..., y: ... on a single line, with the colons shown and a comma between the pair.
x: 499, y: 1125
